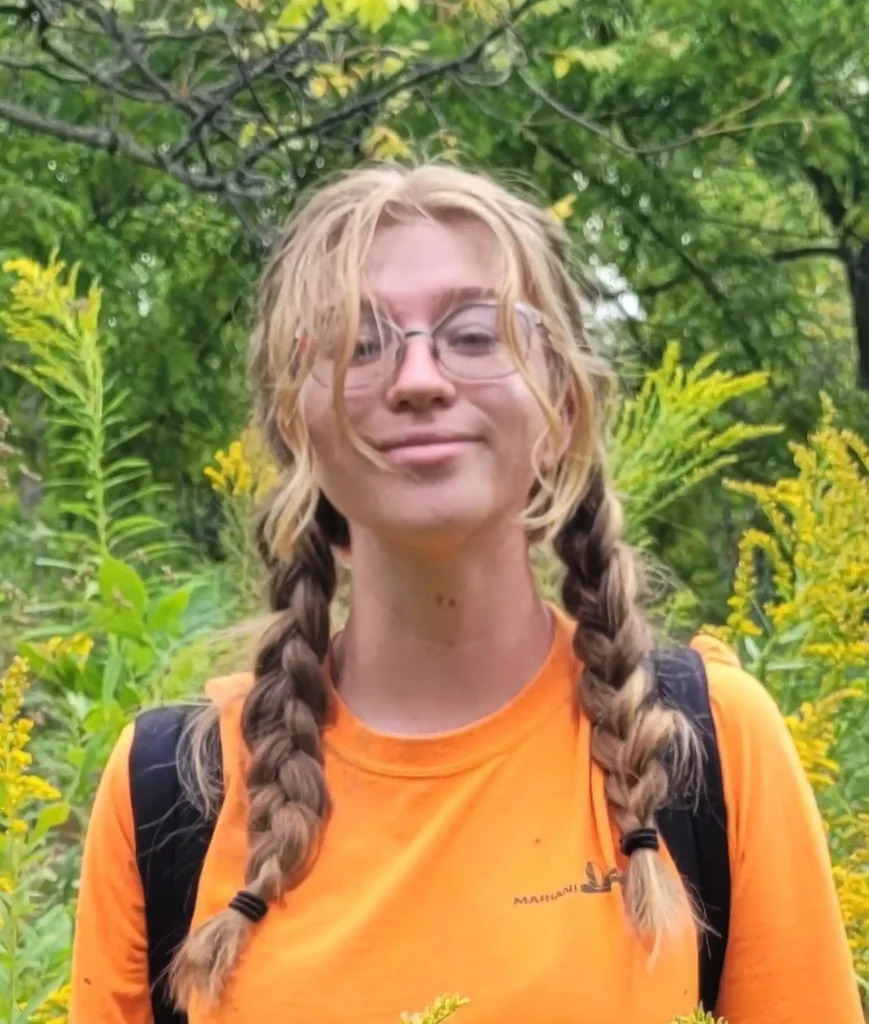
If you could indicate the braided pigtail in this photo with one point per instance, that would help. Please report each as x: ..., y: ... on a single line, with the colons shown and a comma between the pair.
x: 634, y: 735
x: 281, y: 721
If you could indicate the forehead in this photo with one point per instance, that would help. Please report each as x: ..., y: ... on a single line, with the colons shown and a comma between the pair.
x: 415, y: 268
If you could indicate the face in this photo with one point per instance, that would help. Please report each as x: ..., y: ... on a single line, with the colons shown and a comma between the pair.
x: 458, y: 452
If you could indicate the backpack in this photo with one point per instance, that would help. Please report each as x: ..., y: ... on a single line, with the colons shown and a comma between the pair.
x: 172, y: 837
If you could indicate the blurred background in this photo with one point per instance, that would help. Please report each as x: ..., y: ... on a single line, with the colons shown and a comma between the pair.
x: 710, y: 160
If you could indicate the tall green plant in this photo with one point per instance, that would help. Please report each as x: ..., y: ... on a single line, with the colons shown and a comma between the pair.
x: 35, y: 927
x: 102, y: 495
x: 666, y: 439
x: 799, y: 619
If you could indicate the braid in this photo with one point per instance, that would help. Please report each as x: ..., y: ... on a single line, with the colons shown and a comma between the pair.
x: 632, y: 730
x: 281, y: 721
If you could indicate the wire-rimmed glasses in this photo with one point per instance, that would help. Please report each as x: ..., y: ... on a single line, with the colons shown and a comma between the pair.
x: 467, y: 343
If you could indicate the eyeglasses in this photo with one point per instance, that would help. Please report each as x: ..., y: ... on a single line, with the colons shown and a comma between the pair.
x: 467, y: 344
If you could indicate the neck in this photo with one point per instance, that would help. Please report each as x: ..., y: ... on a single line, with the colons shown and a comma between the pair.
x: 435, y: 641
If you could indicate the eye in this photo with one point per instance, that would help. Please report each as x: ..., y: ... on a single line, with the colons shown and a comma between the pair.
x: 472, y: 331
x: 368, y: 348
x: 472, y: 338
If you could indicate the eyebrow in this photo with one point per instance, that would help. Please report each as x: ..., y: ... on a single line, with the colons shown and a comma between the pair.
x: 450, y: 298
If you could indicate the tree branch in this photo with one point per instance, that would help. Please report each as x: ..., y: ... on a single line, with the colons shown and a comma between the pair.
x: 399, y: 84
x: 109, y: 141
x: 806, y: 252
x: 828, y: 195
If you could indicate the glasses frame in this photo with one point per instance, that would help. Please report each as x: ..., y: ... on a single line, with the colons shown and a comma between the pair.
x: 533, y: 315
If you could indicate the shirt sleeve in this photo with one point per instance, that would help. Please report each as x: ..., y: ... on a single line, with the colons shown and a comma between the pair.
x: 110, y: 951
x: 787, y: 960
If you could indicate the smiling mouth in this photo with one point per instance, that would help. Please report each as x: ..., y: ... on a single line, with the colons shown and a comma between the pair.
x: 420, y: 452
x: 426, y: 441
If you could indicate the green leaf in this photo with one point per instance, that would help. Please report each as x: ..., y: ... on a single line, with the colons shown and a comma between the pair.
x: 603, y: 58
x: 561, y: 65
x: 296, y: 14
x: 50, y: 817
x: 38, y: 662
x: 124, y: 622
x: 372, y: 14
x: 120, y: 584
x: 168, y: 610
x: 111, y: 675
x: 752, y: 648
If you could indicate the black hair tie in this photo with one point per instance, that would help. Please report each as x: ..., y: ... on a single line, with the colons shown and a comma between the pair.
x: 249, y: 905
x: 640, y: 839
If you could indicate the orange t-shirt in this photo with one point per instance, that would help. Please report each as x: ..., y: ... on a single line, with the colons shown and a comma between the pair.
x: 456, y: 863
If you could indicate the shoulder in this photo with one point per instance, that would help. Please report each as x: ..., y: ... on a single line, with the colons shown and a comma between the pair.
x: 743, y: 709
x: 111, y: 817
x: 760, y: 766
x: 226, y: 694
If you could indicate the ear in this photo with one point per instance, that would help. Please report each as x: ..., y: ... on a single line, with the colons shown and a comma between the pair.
x: 342, y: 556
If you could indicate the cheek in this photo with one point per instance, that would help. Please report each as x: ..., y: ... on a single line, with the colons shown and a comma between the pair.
x: 522, y: 419
x: 337, y: 463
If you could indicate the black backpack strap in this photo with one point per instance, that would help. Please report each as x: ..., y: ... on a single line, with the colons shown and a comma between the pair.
x: 172, y: 838
x: 695, y: 827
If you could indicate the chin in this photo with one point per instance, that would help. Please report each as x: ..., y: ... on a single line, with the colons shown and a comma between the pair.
x: 437, y: 520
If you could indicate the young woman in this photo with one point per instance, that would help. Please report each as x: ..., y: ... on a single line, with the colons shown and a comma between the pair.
x: 398, y: 795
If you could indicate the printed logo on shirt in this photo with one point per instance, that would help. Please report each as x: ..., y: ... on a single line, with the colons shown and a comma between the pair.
x: 596, y: 882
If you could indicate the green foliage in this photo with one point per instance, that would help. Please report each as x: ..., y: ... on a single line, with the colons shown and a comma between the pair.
x: 35, y: 927
x: 437, y: 1011
x: 800, y: 620
x: 100, y: 491
x: 664, y: 442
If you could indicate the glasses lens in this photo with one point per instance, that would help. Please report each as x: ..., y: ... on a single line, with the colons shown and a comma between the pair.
x: 368, y: 359
x: 472, y: 343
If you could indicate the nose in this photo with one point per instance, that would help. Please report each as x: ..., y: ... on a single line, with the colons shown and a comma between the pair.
x: 418, y: 381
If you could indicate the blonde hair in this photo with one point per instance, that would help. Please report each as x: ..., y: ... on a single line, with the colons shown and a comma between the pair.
x: 325, y: 242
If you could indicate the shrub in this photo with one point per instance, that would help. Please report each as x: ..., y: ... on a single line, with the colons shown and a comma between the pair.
x: 800, y: 620
x: 35, y: 927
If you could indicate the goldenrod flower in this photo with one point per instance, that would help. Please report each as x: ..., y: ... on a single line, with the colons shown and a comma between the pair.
x: 54, y: 1008
x: 443, y: 1007
x: 244, y: 469
x: 18, y: 789
x: 812, y: 621
x: 77, y: 646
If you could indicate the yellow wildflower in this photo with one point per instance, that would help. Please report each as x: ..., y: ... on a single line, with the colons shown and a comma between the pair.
x: 17, y: 788
x: 817, y: 550
x: 813, y: 730
x: 244, y: 469
x: 801, y: 587
x: 77, y: 646
x: 443, y: 1007
x: 55, y: 1007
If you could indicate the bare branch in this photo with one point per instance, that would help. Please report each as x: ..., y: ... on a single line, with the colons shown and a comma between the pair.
x: 182, y: 100
x: 708, y: 131
x: 110, y: 142
x: 40, y: 67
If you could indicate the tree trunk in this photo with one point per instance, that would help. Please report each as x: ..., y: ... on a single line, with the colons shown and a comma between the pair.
x: 858, y: 281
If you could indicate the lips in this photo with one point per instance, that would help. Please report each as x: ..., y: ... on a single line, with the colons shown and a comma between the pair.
x: 423, y: 441
x: 421, y: 452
